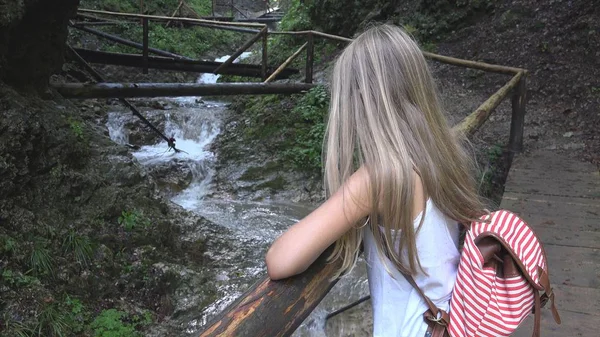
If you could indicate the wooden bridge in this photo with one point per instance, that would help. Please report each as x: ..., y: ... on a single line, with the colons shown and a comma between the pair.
x: 558, y: 196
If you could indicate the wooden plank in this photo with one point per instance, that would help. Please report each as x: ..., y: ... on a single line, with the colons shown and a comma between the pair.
x: 166, y: 63
x: 166, y: 18
x: 573, y: 325
x: 591, y: 204
x: 567, y: 236
x: 275, y: 308
x: 574, y: 266
x: 572, y: 185
x: 126, y: 90
x: 545, y: 172
x: 543, y: 160
x: 570, y: 214
x: 570, y: 299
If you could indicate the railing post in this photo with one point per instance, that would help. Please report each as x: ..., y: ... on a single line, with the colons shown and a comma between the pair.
x: 264, y: 54
x: 309, y: 58
x: 145, y: 45
x: 517, y: 122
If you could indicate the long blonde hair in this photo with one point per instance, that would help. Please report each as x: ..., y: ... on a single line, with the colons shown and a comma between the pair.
x: 385, y: 116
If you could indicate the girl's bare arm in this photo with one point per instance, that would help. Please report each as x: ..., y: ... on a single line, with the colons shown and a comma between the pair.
x: 295, y: 250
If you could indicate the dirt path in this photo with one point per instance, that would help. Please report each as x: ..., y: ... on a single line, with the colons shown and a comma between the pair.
x: 559, y: 43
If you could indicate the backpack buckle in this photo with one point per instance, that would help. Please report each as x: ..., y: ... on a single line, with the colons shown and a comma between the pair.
x: 440, y: 318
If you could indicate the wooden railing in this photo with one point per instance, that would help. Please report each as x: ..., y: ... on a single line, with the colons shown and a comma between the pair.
x: 277, y: 308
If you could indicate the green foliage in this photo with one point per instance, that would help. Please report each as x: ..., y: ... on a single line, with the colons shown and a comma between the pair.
x: 495, y: 152
x: 312, y: 108
x: 17, y: 279
x: 80, y: 246
x: 131, y: 220
x: 76, y: 128
x: 191, y: 42
x: 113, y: 323
x: 157, y: 7
x: 41, y: 259
x: 297, y: 16
x: 491, y: 172
x: 75, y: 314
x: 8, y: 245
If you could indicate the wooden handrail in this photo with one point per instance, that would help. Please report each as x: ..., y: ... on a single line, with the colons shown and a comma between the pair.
x: 475, y: 120
x: 286, y: 63
x: 242, y: 49
x: 167, y: 18
x: 278, y: 307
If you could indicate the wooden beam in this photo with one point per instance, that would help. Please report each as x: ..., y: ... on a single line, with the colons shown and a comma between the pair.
x: 275, y: 308
x: 475, y: 65
x: 167, y: 63
x: 129, y: 43
x: 175, y: 12
x: 98, y: 77
x: 98, y: 23
x: 265, y: 54
x: 166, y: 18
x: 145, y: 45
x: 127, y: 90
x: 310, y: 59
x: 440, y: 58
x: 517, y: 121
x: 475, y: 120
x: 286, y: 63
x: 242, y: 49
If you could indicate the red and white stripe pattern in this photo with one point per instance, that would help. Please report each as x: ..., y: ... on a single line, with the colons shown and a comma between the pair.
x: 484, y: 304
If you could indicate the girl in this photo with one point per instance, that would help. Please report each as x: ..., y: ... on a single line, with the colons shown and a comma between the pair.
x: 398, y: 181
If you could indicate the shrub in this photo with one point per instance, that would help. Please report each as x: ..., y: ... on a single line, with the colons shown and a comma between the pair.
x: 112, y: 323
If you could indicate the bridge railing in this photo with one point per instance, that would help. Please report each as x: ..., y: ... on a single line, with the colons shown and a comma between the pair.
x: 277, y: 308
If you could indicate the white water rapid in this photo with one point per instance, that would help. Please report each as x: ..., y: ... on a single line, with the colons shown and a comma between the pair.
x: 195, y: 123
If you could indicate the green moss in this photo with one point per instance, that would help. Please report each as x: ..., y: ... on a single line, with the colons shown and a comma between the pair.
x: 276, y: 184
x: 256, y: 173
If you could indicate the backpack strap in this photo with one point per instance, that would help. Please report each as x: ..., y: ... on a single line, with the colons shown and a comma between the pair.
x: 436, y: 318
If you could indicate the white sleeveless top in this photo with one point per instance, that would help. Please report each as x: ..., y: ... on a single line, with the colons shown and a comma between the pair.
x: 397, y: 307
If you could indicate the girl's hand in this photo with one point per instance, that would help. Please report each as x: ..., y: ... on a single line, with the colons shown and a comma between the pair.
x: 295, y: 250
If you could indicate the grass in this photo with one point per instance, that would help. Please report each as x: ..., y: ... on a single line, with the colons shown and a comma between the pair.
x: 52, y: 322
x: 15, y: 328
x: 80, y: 246
x: 41, y: 261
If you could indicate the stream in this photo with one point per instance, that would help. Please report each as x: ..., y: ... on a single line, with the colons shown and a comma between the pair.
x: 250, y: 225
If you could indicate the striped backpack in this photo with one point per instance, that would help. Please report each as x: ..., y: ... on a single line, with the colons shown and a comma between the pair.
x: 501, y: 273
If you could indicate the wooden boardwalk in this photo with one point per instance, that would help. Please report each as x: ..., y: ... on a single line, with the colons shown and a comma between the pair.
x: 560, y: 198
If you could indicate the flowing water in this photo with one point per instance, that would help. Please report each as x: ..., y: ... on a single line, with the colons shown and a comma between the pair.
x: 251, y: 225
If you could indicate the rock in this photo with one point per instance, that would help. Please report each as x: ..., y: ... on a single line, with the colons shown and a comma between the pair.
x: 174, y: 176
